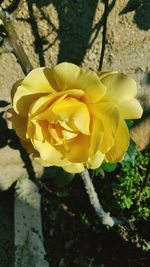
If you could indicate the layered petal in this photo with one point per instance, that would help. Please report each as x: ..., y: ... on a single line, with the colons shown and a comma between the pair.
x: 44, y: 102
x: 49, y: 155
x: 74, y: 168
x: 95, y: 160
x: 70, y: 76
x: 77, y: 150
x: 121, y: 143
x: 97, y: 135
x: 109, y: 116
x: 121, y: 89
x: 74, y: 112
x: 40, y: 80
x: 35, y: 84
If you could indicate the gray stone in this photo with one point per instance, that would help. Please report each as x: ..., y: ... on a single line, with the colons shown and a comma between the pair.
x: 28, y: 228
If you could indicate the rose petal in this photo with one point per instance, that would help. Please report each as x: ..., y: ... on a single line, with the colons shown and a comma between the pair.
x: 131, y: 109
x: 35, y: 83
x: 45, y: 101
x: 40, y: 80
x: 74, y: 112
x: 70, y: 76
x: 77, y: 150
x: 121, y: 143
x: 97, y: 134
x: 95, y: 161
x: 74, y: 168
x: 48, y: 154
x: 108, y: 114
x: 121, y: 89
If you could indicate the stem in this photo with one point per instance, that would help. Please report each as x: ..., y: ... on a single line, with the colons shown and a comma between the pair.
x: 104, y: 34
x: 15, y: 42
x: 105, y: 217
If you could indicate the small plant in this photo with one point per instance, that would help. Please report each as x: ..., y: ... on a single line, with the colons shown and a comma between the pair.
x: 131, y: 188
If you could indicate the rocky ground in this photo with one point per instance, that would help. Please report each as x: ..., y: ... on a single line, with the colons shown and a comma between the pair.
x: 53, y: 31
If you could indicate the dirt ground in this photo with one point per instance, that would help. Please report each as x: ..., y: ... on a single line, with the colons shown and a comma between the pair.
x: 94, y: 35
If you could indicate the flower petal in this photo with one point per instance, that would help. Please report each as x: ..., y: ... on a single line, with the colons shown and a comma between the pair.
x: 70, y: 76
x: 131, y: 109
x: 74, y: 168
x: 45, y: 101
x: 77, y: 150
x: 34, y: 85
x: 103, y: 74
x: 74, y: 112
x: 48, y: 154
x: 95, y: 161
x: 22, y: 101
x: 97, y: 134
x: 40, y: 80
x: 109, y: 116
x: 121, y: 143
x: 121, y: 89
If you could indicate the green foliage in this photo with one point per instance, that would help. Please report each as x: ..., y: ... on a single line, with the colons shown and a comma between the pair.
x: 131, y: 188
x: 130, y: 154
x: 60, y: 177
x: 129, y: 123
x: 109, y: 167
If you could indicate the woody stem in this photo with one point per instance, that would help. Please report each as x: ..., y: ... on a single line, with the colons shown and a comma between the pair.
x: 105, y: 217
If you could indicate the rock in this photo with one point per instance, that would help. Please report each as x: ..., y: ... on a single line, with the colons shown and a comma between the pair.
x: 141, y: 134
x: 28, y: 227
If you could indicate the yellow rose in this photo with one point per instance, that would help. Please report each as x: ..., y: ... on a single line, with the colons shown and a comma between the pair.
x: 74, y: 118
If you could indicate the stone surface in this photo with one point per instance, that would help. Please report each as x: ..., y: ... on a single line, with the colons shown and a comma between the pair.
x: 28, y: 229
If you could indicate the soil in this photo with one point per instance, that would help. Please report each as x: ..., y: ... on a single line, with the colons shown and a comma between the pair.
x: 74, y: 236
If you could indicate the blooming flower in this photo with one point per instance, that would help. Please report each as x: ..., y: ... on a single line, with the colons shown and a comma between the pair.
x: 74, y: 118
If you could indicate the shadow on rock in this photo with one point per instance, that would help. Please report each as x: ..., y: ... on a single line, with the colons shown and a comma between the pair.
x: 9, y: 138
x: 75, y: 32
x: 142, y: 13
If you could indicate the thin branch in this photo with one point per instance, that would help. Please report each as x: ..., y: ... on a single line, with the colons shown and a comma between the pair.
x: 105, y: 217
x: 15, y: 42
x: 104, y: 34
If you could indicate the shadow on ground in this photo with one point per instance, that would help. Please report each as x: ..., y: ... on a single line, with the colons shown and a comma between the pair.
x: 9, y: 138
x: 75, y: 26
x: 7, y: 250
x: 142, y: 12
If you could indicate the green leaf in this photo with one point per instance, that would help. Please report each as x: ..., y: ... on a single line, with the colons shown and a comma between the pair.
x: 109, y: 167
x: 129, y: 123
x: 128, y: 202
x: 61, y: 178
x: 97, y: 171
x: 130, y: 154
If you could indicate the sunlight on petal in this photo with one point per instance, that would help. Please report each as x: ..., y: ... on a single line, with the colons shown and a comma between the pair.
x: 37, y: 82
x: 130, y: 109
x: 45, y: 101
x: 120, y: 87
x: 74, y: 168
x: 70, y: 76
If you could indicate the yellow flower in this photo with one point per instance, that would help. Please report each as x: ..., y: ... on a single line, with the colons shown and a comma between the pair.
x: 74, y: 118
